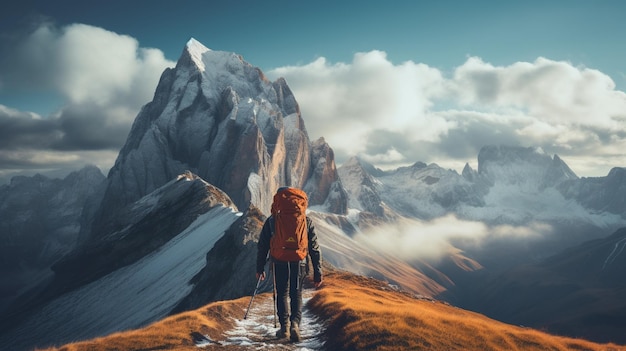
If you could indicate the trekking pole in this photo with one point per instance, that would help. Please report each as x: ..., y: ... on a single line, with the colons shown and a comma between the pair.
x: 274, y: 284
x: 252, y: 298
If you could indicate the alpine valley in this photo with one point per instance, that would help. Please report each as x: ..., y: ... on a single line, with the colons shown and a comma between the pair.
x: 173, y: 227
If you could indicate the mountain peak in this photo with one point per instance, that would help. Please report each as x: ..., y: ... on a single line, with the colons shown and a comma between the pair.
x: 211, y: 62
x: 195, y: 50
x: 469, y: 173
x: 617, y: 172
x: 514, y: 164
x: 218, y: 116
x: 194, y: 45
x: 366, y: 166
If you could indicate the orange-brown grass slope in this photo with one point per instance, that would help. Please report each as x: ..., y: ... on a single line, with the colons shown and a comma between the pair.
x: 172, y: 333
x: 360, y: 314
x: 365, y: 314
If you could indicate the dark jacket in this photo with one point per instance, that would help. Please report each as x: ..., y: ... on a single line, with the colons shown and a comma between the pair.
x: 314, y: 249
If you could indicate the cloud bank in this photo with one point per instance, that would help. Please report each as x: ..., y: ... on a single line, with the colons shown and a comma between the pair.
x: 102, y: 78
x: 392, y: 114
x: 409, y: 239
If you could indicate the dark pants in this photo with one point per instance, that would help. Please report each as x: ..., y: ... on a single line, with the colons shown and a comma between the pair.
x: 289, y: 278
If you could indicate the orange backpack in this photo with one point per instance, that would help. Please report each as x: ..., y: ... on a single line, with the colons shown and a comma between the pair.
x: 290, y: 241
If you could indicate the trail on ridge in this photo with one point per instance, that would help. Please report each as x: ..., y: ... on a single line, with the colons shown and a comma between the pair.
x: 257, y: 332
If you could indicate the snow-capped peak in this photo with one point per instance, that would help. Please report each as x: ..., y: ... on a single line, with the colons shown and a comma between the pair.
x: 196, y: 49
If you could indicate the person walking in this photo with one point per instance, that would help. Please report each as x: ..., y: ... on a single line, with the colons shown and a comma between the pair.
x: 289, y: 236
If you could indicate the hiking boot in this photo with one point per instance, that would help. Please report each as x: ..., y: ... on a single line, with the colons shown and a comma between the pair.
x: 295, y: 331
x: 283, y: 332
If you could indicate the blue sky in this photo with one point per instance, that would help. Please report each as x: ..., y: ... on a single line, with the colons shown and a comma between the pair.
x: 456, y: 75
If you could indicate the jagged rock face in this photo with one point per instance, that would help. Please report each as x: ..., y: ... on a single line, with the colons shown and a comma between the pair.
x: 361, y: 186
x: 337, y: 200
x: 529, y: 168
x: 421, y: 191
x: 324, y: 187
x: 557, y: 173
x: 599, y: 193
x: 429, y: 190
x: 40, y: 223
x: 469, y: 173
x: 219, y: 117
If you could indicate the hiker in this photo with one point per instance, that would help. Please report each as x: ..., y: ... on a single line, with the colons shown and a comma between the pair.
x: 290, y: 266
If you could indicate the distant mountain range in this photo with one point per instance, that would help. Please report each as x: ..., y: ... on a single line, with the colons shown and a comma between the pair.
x: 39, y: 224
x: 174, y: 224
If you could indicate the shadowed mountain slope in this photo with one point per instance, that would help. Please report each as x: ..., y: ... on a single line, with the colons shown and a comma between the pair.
x: 579, y: 292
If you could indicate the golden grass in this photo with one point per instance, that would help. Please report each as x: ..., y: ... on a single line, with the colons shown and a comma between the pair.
x: 365, y: 314
x: 360, y: 314
x: 172, y: 333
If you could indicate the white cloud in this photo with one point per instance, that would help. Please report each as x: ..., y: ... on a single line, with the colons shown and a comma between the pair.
x: 409, y: 239
x: 391, y: 155
x: 89, y: 64
x: 345, y: 102
x: 103, y: 79
x: 553, y: 91
x: 414, y: 239
x: 570, y: 110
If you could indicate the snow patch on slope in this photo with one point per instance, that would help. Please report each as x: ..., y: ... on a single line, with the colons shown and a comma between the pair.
x: 617, y: 250
x: 140, y: 293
